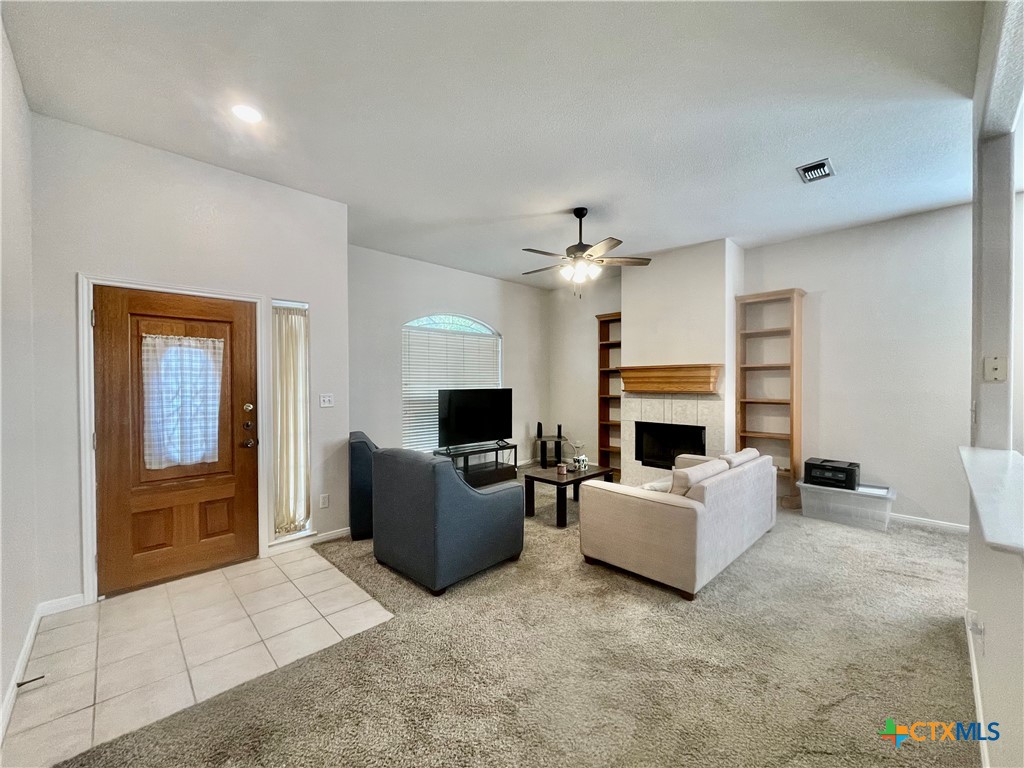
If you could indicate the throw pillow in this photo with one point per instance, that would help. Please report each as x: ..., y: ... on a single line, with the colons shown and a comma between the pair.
x: 664, y: 485
x: 684, y: 479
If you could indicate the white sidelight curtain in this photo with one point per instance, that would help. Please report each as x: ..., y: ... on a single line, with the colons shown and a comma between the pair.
x: 291, y: 419
x: 181, y: 380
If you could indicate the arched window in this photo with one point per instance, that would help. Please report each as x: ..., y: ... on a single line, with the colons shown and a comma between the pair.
x: 443, y: 352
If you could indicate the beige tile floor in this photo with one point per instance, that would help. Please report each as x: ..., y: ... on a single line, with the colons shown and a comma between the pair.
x: 128, y: 661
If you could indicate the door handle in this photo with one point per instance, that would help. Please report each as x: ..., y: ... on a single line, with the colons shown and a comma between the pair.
x: 250, y: 443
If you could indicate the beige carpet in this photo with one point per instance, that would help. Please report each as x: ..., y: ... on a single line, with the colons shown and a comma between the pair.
x: 794, y: 656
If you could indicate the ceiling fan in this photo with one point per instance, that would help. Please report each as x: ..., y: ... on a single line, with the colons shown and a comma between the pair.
x: 583, y: 260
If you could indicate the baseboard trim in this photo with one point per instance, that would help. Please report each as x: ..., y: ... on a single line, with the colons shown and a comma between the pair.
x: 927, y: 522
x: 978, y: 715
x: 42, y: 609
x: 332, y: 535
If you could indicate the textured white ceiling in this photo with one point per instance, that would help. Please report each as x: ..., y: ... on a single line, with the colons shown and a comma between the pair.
x: 460, y: 133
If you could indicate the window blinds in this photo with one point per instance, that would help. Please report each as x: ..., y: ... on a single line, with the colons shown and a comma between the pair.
x: 433, y: 360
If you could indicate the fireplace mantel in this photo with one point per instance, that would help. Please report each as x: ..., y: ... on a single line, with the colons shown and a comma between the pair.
x: 672, y: 379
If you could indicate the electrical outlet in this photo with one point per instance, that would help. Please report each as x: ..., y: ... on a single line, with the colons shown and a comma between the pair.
x: 325, y: 500
x: 994, y: 369
x: 327, y: 400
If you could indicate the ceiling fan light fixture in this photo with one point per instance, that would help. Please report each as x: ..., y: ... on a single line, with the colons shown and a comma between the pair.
x: 593, y: 270
x: 566, y: 271
x: 579, y: 272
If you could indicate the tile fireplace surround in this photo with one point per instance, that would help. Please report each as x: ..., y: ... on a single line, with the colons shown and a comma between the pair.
x: 702, y: 410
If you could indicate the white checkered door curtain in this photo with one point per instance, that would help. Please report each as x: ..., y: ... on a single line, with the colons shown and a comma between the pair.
x: 181, y: 383
x: 441, y: 359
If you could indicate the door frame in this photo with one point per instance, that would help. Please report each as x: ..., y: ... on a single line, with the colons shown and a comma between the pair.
x: 87, y: 414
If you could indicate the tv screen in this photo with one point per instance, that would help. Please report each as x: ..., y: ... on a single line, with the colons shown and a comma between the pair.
x: 473, y: 416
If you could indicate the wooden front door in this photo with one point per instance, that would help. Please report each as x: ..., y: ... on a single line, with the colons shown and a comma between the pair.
x: 176, y: 456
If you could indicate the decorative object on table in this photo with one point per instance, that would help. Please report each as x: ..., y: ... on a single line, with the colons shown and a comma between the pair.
x: 563, y: 469
x: 832, y: 473
x: 580, y: 462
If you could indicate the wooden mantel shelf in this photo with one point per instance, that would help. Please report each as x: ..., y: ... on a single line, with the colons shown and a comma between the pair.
x: 679, y: 379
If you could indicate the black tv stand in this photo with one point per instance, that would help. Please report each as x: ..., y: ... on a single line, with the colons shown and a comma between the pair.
x: 484, y: 472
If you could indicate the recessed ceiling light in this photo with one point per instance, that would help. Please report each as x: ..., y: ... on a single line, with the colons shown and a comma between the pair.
x: 247, y: 113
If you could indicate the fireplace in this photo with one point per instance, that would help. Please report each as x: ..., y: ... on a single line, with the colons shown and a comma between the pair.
x: 657, y: 445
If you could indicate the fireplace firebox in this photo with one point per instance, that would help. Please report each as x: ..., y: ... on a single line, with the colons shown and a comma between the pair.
x: 657, y: 445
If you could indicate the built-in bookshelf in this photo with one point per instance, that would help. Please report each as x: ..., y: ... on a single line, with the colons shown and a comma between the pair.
x: 769, y: 374
x: 609, y: 391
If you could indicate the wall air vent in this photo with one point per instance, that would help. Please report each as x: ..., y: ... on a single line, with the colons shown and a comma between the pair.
x: 816, y: 171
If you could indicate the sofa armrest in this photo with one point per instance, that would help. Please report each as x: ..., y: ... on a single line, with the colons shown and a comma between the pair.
x: 650, y: 533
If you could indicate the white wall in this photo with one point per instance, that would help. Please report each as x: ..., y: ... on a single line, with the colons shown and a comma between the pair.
x: 19, y: 535
x: 1018, y: 324
x: 387, y: 291
x: 673, y: 310
x: 573, y: 338
x: 887, y: 350
x: 111, y: 207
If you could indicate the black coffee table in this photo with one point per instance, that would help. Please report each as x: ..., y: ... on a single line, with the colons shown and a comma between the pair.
x: 550, y: 476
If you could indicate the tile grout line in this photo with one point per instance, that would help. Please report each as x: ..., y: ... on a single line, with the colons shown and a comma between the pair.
x: 95, y: 678
x: 181, y: 644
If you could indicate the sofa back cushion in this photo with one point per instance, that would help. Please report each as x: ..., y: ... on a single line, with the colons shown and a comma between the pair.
x: 684, y: 479
x: 741, y: 457
x: 733, y: 483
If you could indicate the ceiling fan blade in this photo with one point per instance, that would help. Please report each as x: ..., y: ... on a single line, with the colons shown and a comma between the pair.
x: 623, y: 261
x: 545, y: 253
x: 600, y: 249
x: 543, y: 269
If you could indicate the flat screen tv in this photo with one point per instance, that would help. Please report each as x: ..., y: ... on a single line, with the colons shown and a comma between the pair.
x: 467, y: 416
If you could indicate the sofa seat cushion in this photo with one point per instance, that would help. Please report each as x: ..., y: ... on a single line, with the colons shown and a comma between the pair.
x: 684, y: 479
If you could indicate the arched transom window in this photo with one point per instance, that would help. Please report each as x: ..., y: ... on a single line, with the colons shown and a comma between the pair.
x: 443, y: 352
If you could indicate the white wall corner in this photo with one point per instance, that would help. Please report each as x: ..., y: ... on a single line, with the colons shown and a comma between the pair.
x: 42, y: 609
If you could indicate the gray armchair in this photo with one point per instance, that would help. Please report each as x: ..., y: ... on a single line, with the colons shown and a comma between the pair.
x: 429, y: 525
x: 360, y: 485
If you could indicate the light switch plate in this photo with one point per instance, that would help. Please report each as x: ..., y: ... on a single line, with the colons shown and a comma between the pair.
x: 327, y: 400
x: 325, y: 500
x: 994, y: 369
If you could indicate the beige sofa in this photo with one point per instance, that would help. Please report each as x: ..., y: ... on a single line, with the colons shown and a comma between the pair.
x: 682, y: 541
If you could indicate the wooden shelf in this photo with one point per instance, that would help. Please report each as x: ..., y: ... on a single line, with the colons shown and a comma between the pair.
x: 610, y: 449
x: 782, y: 312
x: 767, y: 435
x: 763, y: 332
x: 608, y: 350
